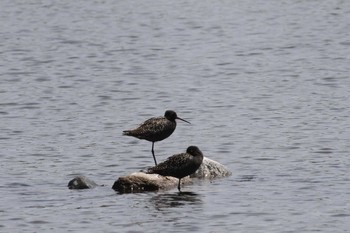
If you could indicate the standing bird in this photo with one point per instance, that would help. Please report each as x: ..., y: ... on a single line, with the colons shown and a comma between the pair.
x: 179, y: 165
x: 156, y: 129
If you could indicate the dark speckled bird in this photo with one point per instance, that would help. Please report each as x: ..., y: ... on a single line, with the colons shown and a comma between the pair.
x: 156, y: 129
x: 180, y: 165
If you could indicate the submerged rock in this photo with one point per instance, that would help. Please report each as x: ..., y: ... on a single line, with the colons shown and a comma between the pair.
x: 81, y: 182
x: 140, y: 181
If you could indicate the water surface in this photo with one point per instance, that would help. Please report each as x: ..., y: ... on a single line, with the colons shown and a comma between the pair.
x: 265, y: 85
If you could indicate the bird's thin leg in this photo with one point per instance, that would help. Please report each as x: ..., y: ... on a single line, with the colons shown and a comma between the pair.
x: 178, y: 186
x: 154, y: 157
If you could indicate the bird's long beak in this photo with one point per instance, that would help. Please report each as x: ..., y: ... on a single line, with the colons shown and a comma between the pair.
x: 183, y: 120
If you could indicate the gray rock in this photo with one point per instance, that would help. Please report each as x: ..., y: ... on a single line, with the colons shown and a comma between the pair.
x: 81, y: 182
x: 140, y: 181
x: 211, y: 169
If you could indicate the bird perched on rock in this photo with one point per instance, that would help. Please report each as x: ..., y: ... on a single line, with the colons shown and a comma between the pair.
x: 156, y: 129
x: 179, y: 165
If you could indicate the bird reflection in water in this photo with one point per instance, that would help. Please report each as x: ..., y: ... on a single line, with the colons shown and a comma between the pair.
x: 170, y: 200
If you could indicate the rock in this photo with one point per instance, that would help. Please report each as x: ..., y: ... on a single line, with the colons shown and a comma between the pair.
x: 81, y: 182
x: 140, y: 181
x: 211, y: 169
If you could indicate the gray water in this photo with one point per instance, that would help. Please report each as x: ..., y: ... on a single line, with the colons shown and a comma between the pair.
x: 264, y: 83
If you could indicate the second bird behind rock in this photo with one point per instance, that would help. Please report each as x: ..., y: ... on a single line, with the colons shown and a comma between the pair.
x: 156, y: 129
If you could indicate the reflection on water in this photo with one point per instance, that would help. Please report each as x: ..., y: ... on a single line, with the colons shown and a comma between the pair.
x: 246, y: 178
x: 171, y: 200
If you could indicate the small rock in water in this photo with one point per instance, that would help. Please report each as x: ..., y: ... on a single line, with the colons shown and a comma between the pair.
x: 81, y: 182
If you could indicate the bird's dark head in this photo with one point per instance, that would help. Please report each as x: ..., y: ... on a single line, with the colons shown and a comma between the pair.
x: 171, y: 116
x: 193, y: 150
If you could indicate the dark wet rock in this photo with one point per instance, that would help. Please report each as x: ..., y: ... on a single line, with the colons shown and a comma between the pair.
x: 81, y: 182
x: 140, y: 181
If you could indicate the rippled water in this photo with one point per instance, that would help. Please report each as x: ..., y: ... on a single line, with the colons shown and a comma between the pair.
x: 265, y: 85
